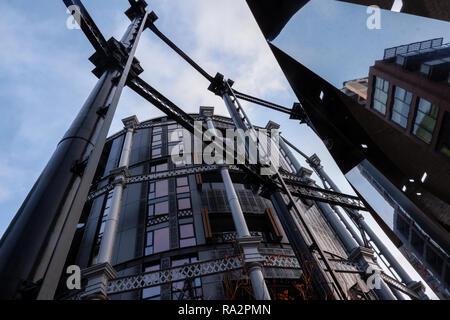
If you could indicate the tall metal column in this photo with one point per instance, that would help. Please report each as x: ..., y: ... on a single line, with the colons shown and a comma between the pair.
x: 349, y: 240
x: 98, y: 275
x: 35, y: 246
x: 315, y: 162
x: 249, y: 245
x: 347, y: 235
x: 323, y: 289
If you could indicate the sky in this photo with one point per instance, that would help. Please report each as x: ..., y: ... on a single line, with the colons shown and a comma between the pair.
x: 45, y: 75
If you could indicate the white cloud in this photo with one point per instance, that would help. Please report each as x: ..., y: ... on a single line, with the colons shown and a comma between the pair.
x: 36, y: 112
x: 221, y: 36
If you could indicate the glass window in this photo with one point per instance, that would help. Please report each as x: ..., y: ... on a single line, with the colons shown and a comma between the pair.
x: 162, y: 167
x: 417, y: 241
x: 177, y: 149
x: 403, y: 226
x: 183, y: 181
x: 380, y: 95
x: 187, y: 242
x: 156, y: 138
x: 183, y: 190
x: 159, y: 168
x: 187, y: 235
x: 443, y: 145
x: 190, y: 289
x: 182, y: 185
x: 434, y: 259
x: 151, y: 210
x: 152, y: 268
x: 150, y: 238
x: 425, y: 121
x: 402, y: 104
x: 161, y: 240
x: 175, y: 136
x: 158, y: 189
x: 152, y: 293
x: 161, y: 188
x: 184, y: 204
x: 162, y: 208
x: 156, y: 153
x: 186, y: 230
x: 149, y: 243
x: 181, y: 262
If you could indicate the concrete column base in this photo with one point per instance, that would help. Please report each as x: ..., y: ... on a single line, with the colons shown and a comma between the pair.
x: 97, y: 277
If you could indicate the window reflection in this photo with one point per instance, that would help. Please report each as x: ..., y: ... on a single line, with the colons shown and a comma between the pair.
x: 161, y: 241
x: 182, y: 185
x: 402, y: 104
x: 380, y: 95
x: 184, y: 204
x: 425, y: 121
x: 162, y: 208
x: 156, y: 153
x: 444, y: 136
x: 159, y: 168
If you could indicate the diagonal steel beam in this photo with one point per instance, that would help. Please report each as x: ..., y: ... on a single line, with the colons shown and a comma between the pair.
x: 88, y: 25
x: 150, y: 94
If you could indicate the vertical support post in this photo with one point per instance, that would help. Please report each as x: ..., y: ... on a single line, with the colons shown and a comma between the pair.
x: 328, y: 210
x: 249, y: 245
x: 322, y: 288
x: 35, y: 246
x: 112, y: 221
x: 99, y: 274
x: 315, y: 163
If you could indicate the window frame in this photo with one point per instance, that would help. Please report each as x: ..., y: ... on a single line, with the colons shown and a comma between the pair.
x: 433, y: 108
x: 375, y: 97
x: 398, y: 105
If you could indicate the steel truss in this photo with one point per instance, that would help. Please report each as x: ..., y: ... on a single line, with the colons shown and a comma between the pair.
x: 200, y: 269
x: 297, y: 188
x: 234, y: 263
x: 287, y: 184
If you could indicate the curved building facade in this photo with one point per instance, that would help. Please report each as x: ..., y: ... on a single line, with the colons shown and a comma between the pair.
x: 174, y: 232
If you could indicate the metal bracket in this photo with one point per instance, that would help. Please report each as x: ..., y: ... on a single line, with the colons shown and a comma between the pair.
x: 79, y: 167
x: 102, y: 111
x: 218, y: 85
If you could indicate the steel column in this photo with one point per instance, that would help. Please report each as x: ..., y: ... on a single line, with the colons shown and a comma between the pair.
x: 36, y: 244
x: 322, y: 288
x: 373, y: 236
x: 254, y: 267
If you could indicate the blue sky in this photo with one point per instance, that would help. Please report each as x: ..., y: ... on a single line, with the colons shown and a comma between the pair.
x: 45, y: 73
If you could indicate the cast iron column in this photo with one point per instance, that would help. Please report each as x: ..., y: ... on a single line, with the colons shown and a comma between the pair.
x: 249, y: 245
x: 322, y: 287
x: 315, y: 162
x: 35, y: 246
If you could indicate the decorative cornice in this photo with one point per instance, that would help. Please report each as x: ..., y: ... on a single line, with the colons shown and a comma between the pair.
x: 130, y: 122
